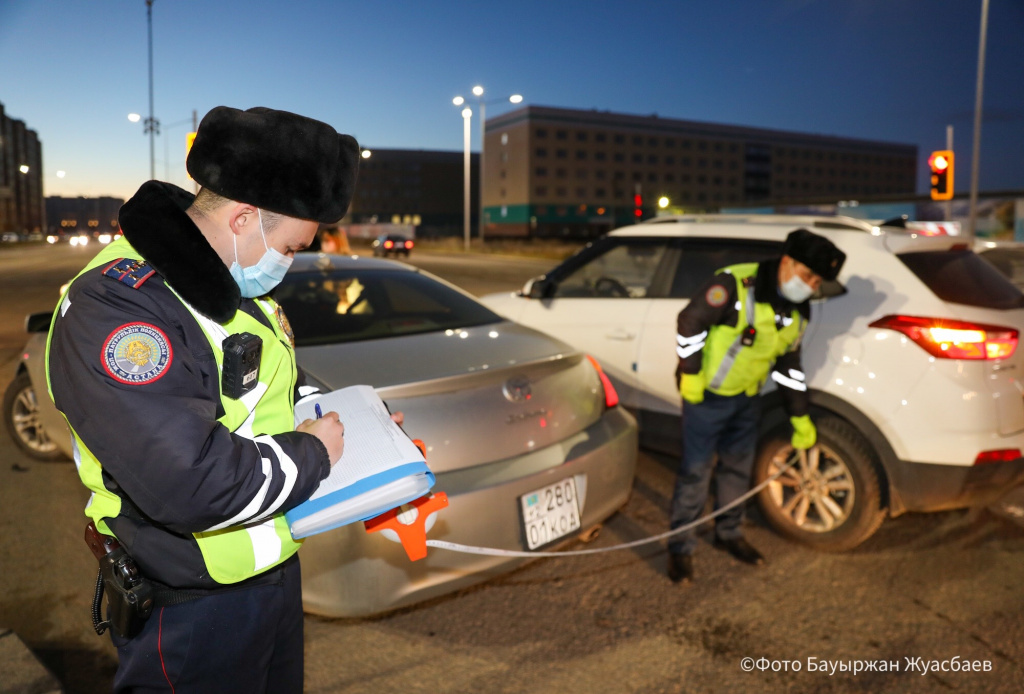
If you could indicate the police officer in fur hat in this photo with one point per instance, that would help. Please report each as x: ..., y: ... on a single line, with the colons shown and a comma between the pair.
x: 189, y: 450
x: 745, y: 321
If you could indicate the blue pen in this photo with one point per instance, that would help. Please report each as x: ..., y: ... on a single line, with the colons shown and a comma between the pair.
x: 319, y: 413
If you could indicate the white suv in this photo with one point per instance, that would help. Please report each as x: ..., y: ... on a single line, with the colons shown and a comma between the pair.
x: 915, y: 377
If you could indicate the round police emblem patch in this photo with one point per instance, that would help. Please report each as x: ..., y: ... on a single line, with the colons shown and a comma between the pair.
x: 137, y: 353
x: 716, y: 296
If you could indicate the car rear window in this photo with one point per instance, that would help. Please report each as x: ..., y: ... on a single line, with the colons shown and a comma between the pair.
x: 327, y: 307
x: 961, y: 277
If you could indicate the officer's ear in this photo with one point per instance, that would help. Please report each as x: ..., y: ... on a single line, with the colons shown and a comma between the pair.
x: 242, y: 218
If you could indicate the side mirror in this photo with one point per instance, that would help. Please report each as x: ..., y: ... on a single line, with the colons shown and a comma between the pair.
x: 539, y: 288
x: 38, y: 322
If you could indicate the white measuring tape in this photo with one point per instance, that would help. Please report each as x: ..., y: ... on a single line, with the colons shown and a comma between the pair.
x: 492, y: 551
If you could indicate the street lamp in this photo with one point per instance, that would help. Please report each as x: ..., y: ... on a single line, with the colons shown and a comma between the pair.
x: 467, y: 114
x: 478, y: 92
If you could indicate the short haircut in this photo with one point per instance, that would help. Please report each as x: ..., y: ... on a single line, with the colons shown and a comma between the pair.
x: 207, y: 202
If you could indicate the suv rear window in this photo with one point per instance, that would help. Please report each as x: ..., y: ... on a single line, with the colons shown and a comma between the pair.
x: 961, y: 277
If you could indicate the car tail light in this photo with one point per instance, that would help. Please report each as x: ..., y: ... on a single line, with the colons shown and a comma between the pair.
x: 611, y: 398
x: 954, y: 339
x: 389, y: 244
x: 408, y: 244
x: 1002, y: 455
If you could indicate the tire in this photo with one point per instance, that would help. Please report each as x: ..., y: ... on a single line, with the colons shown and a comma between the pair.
x: 831, y: 498
x: 21, y: 415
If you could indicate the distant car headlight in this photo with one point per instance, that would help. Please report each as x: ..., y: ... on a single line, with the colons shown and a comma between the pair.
x: 51, y: 239
x: 104, y: 238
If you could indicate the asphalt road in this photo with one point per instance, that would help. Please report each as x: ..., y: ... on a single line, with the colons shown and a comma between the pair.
x: 927, y: 591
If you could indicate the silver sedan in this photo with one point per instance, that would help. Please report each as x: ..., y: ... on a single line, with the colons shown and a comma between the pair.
x: 509, y: 416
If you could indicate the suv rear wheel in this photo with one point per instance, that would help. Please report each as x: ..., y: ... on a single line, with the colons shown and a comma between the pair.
x: 830, y: 499
x: 21, y: 414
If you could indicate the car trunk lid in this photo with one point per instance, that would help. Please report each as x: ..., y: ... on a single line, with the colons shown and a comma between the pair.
x: 477, y: 395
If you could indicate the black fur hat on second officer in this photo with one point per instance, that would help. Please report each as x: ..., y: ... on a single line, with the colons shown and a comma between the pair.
x: 816, y: 252
x: 276, y: 160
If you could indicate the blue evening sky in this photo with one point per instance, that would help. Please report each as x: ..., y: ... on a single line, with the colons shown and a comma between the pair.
x: 889, y: 70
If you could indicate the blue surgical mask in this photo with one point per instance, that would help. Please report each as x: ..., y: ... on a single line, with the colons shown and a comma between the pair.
x: 796, y: 290
x: 259, y: 279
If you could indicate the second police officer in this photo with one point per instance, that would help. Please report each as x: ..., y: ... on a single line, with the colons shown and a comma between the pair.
x: 745, y: 321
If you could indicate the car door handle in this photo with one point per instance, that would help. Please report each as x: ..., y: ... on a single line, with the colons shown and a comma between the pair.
x: 621, y: 334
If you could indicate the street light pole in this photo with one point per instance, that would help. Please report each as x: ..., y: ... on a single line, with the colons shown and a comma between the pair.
x: 976, y: 156
x: 152, y: 125
x: 478, y: 92
x: 467, y: 114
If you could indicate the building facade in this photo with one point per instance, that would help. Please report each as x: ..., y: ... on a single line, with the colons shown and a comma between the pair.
x: 552, y: 172
x: 21, y: 178
x: 424, y: 188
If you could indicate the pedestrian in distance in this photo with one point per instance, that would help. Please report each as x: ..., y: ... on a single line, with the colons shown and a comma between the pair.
x: 745, y: 321
x: 176, y: 373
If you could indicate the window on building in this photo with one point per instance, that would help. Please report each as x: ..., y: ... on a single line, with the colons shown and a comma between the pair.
x: 637, y: 158
x: 619, y: 157
x: 541, y: 152
x: 600, y: 156
x: 561, y: 173
x: 561, y: 134
x: 541, y: 190
x: 540, y: 132
x: 652, y: 158
x: 600, y: 193
x: 541, y: 171
x: 561, y: 191
x: 600, y: 137
x: 581, y: 154
x: 581, y: 193
x: 562, y: 153
x: 581, y: 136
x: 652, y: 142
x: 620, y: 139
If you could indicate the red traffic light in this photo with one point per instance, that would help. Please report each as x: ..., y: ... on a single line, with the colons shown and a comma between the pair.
x: 941, y: 165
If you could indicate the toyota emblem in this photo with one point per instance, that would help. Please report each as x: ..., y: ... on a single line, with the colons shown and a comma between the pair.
x: 517, y: 389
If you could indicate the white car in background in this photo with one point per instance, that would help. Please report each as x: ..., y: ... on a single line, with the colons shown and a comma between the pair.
x: 915, y: 374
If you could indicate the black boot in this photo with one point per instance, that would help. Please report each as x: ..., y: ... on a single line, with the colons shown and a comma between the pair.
x: 680, y: 568
x: 741, y: 550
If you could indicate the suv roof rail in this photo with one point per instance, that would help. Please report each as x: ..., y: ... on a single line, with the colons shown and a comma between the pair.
x: 819, y: 221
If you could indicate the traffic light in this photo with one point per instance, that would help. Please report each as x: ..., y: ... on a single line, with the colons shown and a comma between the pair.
x: 941, y: 165
x: 638, y: 207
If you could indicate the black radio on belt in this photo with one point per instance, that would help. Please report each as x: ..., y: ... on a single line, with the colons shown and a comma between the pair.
x: 748, y: 336
x: 242, y: 352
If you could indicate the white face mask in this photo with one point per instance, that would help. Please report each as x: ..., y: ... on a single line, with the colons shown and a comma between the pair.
x: 259, y: 279
x: 796, y: 290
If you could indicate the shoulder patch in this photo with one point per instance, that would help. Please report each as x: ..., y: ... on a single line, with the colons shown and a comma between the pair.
x: 130, y: 272
x: 136, y: 354
x: 716, y: 295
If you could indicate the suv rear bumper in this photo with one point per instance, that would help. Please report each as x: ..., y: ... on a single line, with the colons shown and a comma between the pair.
x: 931, y: 487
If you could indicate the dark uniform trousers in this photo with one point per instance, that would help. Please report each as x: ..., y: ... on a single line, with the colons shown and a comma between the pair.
x: 726, y: 426
x: 247, y: 640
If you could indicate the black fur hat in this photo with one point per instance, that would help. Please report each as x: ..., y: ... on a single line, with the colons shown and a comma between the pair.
x: 280, y: 161
x: 816, y: 252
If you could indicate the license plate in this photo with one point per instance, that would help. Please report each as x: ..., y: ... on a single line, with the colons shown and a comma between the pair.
x: 550, y: 513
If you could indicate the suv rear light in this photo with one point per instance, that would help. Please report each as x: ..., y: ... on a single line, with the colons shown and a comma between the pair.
x: 611, y: 398
x: 954, y: 339
x: 389, y: 243
x: 408, y: 244
x: 1003, y: 455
